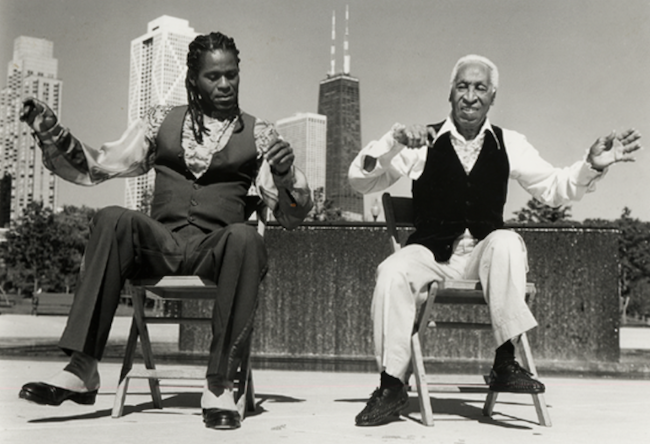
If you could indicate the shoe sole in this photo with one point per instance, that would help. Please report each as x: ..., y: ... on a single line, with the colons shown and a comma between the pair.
x: 221, y: 427
x: 79, y: 398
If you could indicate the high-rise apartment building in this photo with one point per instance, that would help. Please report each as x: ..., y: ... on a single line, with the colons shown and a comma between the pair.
x: 158, y: 66
x: 338, y: 99
x: 31, y: 72
x: 307, y: 134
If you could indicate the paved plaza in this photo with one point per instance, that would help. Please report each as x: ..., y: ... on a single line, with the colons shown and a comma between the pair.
x: 316, y: 407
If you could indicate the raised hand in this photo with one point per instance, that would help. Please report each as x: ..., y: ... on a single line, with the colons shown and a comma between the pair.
x: 614, y: 148
x: 414, y: 136
x: 280, y: 156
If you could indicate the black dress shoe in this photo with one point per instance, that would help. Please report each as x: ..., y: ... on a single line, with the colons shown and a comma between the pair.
x: 384, y: 404
x: 46, y: 394
x: 221, y: 419
x: 513, y: 378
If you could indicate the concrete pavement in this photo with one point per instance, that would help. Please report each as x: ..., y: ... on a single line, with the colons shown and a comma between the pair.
x: 316, y: 407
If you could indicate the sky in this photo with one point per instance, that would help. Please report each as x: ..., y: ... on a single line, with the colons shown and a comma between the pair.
x: 570, y: 70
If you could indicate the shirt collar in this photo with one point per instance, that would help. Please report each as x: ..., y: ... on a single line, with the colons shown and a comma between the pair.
x: 449, y: 127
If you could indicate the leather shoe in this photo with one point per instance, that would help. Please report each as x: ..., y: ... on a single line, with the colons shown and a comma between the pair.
x: 221, y: 419
x: 46, y: 394
x: 513, y: 378
x: 384, y: 404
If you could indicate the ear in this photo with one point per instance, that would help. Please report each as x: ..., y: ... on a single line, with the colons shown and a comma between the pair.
x: 494, y: 97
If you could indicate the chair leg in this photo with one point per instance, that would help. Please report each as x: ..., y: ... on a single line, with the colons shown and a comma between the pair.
x: 127, y: 364
x: 417, y: 362
x: 120, y: 397
x: 250, y: 394
x: 538, y: 399
x: 490, y: 402
x: 420, y: 381
x: 145, y: 344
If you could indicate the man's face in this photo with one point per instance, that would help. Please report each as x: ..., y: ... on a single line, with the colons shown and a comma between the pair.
x: 471, y: 96
x: 218, y: 83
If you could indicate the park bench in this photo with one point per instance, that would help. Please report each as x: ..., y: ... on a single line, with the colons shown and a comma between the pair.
x: 53, y: 303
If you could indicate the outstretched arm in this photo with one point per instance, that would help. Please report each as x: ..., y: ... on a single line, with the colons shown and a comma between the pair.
x: 558, y: 186
x: 69, y: 158
x: 614, y: 148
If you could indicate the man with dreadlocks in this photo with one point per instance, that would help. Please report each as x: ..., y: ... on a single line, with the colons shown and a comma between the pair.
x: 206, y: 156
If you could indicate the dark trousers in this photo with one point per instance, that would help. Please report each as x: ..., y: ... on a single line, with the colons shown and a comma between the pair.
x: 127, y: 244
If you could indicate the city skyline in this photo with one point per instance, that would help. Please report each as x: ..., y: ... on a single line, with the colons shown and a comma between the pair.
x: 32, y: 71
x: 570, y: 71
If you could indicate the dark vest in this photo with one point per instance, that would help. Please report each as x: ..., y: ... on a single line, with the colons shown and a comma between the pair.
x: 446, y: 200
x: 214, y: 200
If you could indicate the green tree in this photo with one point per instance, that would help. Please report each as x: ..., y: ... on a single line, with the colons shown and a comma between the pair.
x: 634, y: 253
x: 44, y: 250
x: 73, y: 229
x: 537, y: 212
x: 30, y: 247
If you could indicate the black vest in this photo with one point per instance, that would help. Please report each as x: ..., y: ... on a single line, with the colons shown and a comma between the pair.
x: 214, y: 200
x: 446, y: 200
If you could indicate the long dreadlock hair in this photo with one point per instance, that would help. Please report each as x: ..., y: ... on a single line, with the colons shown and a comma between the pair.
x: 200, y: 45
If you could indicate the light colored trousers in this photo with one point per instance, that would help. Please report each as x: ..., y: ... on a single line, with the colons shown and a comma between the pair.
x: 500, y: 263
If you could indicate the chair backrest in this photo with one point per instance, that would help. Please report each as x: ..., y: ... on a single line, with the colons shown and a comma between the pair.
x: 398, y: 212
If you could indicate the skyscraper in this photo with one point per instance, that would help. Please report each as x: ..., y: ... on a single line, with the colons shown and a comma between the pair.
x: 158, y: 66
x: 31, y: 72
x: 338, y: 99
x: 306, y: 132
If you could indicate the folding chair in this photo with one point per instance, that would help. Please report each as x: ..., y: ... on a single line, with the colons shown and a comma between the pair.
x: 179, y: 288
x: 399, y: 212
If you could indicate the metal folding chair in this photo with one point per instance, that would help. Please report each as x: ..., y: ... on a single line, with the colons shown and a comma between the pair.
x: 399, y: 212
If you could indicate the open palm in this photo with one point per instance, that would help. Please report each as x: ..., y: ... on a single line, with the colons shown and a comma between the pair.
x: 614, y: 148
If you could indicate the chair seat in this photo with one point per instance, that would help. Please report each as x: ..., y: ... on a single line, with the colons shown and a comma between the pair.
x: 468, y: 291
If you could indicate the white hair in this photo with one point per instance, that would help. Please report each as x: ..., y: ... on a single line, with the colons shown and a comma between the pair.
x: 473, y: 58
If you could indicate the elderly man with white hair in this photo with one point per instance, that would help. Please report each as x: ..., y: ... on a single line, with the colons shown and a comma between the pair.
x: 460, y: 170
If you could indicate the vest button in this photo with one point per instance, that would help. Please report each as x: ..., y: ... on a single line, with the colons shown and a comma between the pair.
x: 196, y: 186
x: 194, y: 202
x: 191, y: 218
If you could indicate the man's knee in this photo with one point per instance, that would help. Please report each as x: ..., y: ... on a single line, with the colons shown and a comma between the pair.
x: 391, y: 267
x: 506, y: 239
x: 507, y: 243
x: 244, y: 235
x: 108, y: 216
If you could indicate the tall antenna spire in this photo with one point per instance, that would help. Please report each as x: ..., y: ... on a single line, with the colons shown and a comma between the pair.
x: 333, y: 50
x: 346, y: 47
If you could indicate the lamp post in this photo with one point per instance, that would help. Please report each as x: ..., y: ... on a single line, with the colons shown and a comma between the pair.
x: 374, y: 210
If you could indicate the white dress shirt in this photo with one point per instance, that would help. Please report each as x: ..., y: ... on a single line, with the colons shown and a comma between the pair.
x: 550, y: 185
